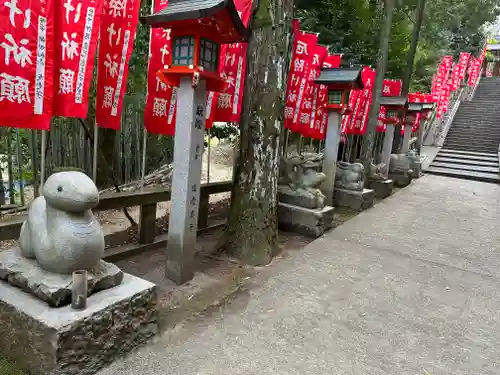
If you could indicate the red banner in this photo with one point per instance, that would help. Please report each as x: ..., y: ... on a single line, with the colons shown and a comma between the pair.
x: 76, y: 33
x: 297, y: 79
x: 347, y: 125
x: 118, y: 24
x: 368, y: 78
x: 233, y: 68
x: 319, y: 115
x: 463, y: 62
x: 308, y: 106
x: 392, y: 87
x: 161, y: 99
x: 226, y: 107
x: 455, y: 77
x: 441, y: 86
x: 26, y: 64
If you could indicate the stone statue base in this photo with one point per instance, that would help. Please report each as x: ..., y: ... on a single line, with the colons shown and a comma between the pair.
x: 54, y: 289
x: 354, y: 199
x: 62, y: 341
x: 306, y: 221
x: 400, y: 169
x: 402, y: 178
x: 416, y: 168
x: 382, y: 188
x: 308, y: 198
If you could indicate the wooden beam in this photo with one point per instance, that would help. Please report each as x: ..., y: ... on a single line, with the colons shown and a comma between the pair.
x: 9, y: 229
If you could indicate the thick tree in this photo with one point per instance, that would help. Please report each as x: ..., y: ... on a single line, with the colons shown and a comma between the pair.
x: 385, y: 35
x: 251, y: 234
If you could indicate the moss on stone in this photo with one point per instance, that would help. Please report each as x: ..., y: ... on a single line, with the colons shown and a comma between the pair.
x: 9, y: 368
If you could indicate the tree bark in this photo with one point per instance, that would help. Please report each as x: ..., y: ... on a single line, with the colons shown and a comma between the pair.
x: 10, y: 168
x: 34, y: 162
x: 410, y: 58
x: 252, y: 231
x: 383, y: 53
x: 2, y: 188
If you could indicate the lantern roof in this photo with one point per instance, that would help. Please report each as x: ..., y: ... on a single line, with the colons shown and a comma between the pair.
x: 415, y: 107
x: 341, y: 77
x: 217, y: 19
x: 394, y: 101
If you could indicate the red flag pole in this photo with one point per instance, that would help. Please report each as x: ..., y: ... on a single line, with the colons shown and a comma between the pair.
x: 42, y: 160
x: 94, y: 156
x: 208, y: 153
x: 143, y: 167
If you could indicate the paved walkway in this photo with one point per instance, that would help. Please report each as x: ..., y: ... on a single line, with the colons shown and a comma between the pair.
x: 409, y: 287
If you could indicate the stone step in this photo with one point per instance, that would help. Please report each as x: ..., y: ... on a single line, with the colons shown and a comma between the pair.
x: 469, y: 141
x: 463, y: 160
x: 472, y: 134
x: 465, y: 167
x: 478, y: 137
x: 474, y: 129
x: 480, y: 118
x: 468, y: 175
x: 445, y: 150
x: 492, y: 158
x: 492, y: 153
x: 477, y: 132
x: 468, y: 129
x: 471, y: 147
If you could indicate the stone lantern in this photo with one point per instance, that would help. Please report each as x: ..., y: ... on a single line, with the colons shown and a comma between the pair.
x: 411, y: 114
x: 197, y: 29
x: 340, y: 81
x: 396, y: 111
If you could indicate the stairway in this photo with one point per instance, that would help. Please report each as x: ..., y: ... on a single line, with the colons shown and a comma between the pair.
x: 470, y: 150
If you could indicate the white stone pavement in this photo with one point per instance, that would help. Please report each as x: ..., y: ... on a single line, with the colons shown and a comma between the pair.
x: 408, y: 287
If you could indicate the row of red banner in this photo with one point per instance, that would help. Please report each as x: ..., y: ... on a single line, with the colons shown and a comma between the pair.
x: 305, y: 100
x: 160, y: 110
x: 49, y: 50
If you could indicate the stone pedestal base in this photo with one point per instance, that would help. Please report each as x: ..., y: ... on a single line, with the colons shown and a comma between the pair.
x: 307, y: 221
x: 355, y: 200
x: 416, y: 169
x: 382, y: 188
x: 61, y: 341
x: 53, y: 288
x: 401, y: 179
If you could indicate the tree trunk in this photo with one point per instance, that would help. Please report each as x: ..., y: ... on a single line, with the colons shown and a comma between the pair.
x: 251, y: 233
x: 383, y: 52
x: 2, y: 188
x: 10, y: 168
x: 34, y: 162
x: 410, y: 58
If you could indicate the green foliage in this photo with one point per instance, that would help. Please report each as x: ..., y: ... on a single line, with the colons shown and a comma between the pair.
x: 352, y: 27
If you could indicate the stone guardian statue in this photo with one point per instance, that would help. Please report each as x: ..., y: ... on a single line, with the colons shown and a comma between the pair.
x: 61, y: 232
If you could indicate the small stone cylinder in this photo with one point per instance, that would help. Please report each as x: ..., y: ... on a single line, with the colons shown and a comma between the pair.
x: 79, y: 290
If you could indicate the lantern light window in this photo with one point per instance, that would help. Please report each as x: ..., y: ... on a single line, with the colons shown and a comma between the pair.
x: 209, y: 55
x: 183, y: 51
x: 391, y: 113
x: 335, y: 97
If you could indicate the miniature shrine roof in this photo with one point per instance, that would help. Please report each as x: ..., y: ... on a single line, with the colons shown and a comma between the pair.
x: 394, y: 101
x: 340, y: 76
x: 415, y: 107
x: 427, y: 106
x: 189, y: 15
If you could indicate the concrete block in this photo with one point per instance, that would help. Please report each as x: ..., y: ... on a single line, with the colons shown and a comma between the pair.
x: 53, y: 288
x: 61, y: 341
x: 416, y: 169
x: 383, y: 189
x: 355, y: 200
x: 402, y: 179
x: 312, y: 222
